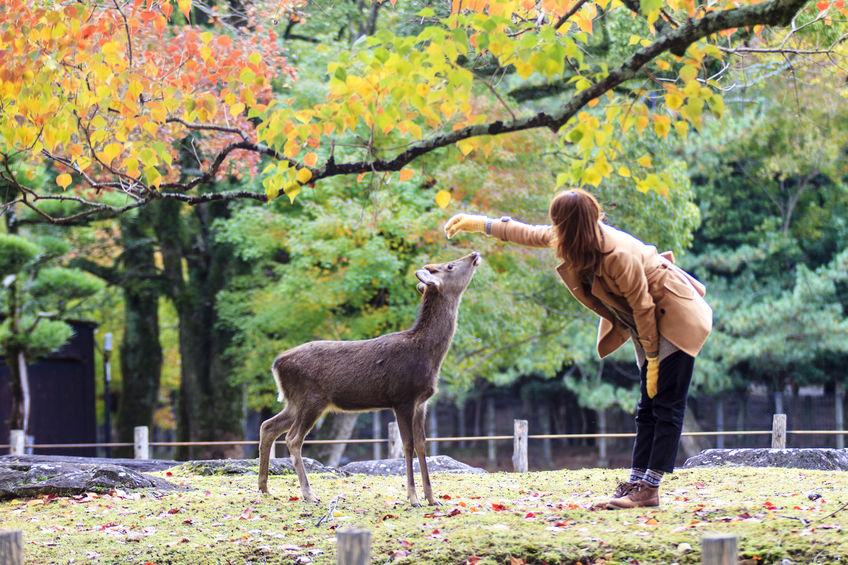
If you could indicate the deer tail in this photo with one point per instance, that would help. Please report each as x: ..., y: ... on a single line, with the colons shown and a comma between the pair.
x: 276, y: 372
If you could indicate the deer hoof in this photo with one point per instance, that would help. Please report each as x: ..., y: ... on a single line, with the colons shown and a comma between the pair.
x: 434, y: 502
x: 312, y: 499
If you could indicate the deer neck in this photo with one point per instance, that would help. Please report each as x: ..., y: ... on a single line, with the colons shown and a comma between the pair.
x: 436, y: 321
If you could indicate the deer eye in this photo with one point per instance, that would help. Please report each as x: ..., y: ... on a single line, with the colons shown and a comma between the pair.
x: 450, y: 267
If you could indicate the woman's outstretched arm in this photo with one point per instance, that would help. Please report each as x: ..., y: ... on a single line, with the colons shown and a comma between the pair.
x: 504, y: 228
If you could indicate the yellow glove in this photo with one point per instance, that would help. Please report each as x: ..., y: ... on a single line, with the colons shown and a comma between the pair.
x: 465, y: 222
x: 653, y: 376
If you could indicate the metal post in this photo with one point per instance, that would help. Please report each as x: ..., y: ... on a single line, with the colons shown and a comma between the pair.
x: 107, y: 396
x: 718, y: 549
x: 603, y: 458
x: 519, y: 446
x: 17, y: 441
x: 353, y: 546
x: 719, y: 406
x: 142, y: 442
x: 376, y: 433
x: 11, y: 547
x: 395, y: 442
x: 778, y: 432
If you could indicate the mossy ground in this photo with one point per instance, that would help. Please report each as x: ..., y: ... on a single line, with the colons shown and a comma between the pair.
x: 496, y: 518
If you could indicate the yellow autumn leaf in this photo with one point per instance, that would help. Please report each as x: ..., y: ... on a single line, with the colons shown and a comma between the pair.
x: 673, y: 100
x: 465, y: 146
x: 303, y: 176
x: 310, y: 159
x: 644, y: 161
x: 292, y: 191
x: 406, y: 174
x: 110, y: 152
x: 64, y: 180
x: 443, y: 198
x: 185, y: 7
x: 624, y: 171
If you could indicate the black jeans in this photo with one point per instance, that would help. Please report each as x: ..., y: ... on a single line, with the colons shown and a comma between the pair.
x: 659, y: 420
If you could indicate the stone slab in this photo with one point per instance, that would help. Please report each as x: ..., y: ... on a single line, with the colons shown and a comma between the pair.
x: 824, y: 459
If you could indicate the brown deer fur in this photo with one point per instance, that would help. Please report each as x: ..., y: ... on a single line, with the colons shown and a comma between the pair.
x: 397, y: 371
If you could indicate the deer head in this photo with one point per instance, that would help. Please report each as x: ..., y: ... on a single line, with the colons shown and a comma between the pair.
x: 450, y: 279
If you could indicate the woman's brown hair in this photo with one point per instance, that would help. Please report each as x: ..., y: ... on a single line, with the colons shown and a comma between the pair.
x: 575, y: 215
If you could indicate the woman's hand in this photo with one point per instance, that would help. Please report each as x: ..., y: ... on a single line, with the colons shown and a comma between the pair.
x: 653, y: 376
x: 465, y: 222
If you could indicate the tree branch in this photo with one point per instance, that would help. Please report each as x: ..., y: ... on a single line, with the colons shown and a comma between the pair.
x: 675, y: 40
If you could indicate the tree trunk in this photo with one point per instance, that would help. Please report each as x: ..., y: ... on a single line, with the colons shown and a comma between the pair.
x: 140, y: 350
x: 340, y: 426
x: 377, y: 433
x: 197, y: 268
x: 839, y: 413
x: 492, y: 454
x: 19, y: 385
x: 603, y: 458
x: 545, y: 428
x: 433, y: 427
x: 692, y: 445
x: 460, y: 422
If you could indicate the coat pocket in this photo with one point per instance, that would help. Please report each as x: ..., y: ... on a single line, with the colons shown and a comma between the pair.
x: 678, y: 287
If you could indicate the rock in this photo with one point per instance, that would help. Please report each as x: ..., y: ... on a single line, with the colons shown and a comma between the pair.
x: 437, y: 464
x: 141, y: 465
x: 282, y: 466
x: 27, y: 480
x: 814, y: 459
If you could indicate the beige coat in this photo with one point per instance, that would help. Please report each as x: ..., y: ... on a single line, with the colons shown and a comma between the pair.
x: 633, y: 278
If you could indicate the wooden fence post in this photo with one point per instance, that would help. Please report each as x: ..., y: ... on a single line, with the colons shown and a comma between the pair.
x: 519, y: 446
x: 142, y: 442
x: 395, y: 443
x: 778, y: 432
x: 718, y: 549
x: 17, y: 441
x: 273, y: 451
x: 11, y: 547
x: 353, y: 546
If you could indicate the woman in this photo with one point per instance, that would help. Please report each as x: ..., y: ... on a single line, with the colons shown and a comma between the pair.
x: 639, y: 295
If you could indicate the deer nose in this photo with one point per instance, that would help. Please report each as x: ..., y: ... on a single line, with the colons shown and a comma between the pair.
x: 475, y: 257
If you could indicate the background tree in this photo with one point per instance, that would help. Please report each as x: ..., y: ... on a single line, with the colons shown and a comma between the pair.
x: 37, y: 295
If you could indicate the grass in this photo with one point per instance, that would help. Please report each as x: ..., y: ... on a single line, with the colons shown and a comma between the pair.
x: 539, y: 517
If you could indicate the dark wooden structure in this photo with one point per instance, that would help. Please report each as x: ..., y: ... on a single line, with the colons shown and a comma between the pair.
x: 63, y: 395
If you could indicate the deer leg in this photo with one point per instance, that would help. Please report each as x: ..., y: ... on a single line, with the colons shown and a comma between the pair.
x: 294, y: 439
x: 404, y: 421
x: 418, y: 433
x: 269, y: 431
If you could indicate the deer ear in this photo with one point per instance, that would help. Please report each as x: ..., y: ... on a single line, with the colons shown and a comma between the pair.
x: 427, y: 278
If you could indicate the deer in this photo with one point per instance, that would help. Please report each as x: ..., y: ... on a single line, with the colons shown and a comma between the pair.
x: 397, y: 371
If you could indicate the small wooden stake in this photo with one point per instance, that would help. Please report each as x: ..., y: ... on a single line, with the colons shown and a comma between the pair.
x: 353, y: 546
x: 778, y: 432
x: 17, y: 439
x: 718, y: 549
x: 11, y: 547
x: 519, y: 446
x: 142, y: 442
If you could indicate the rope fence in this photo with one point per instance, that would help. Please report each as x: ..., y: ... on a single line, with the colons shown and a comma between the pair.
x: 142, y: 445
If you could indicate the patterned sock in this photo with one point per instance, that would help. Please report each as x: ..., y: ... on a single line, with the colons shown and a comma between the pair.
x: 636, y: 475
x: 653, y: 478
